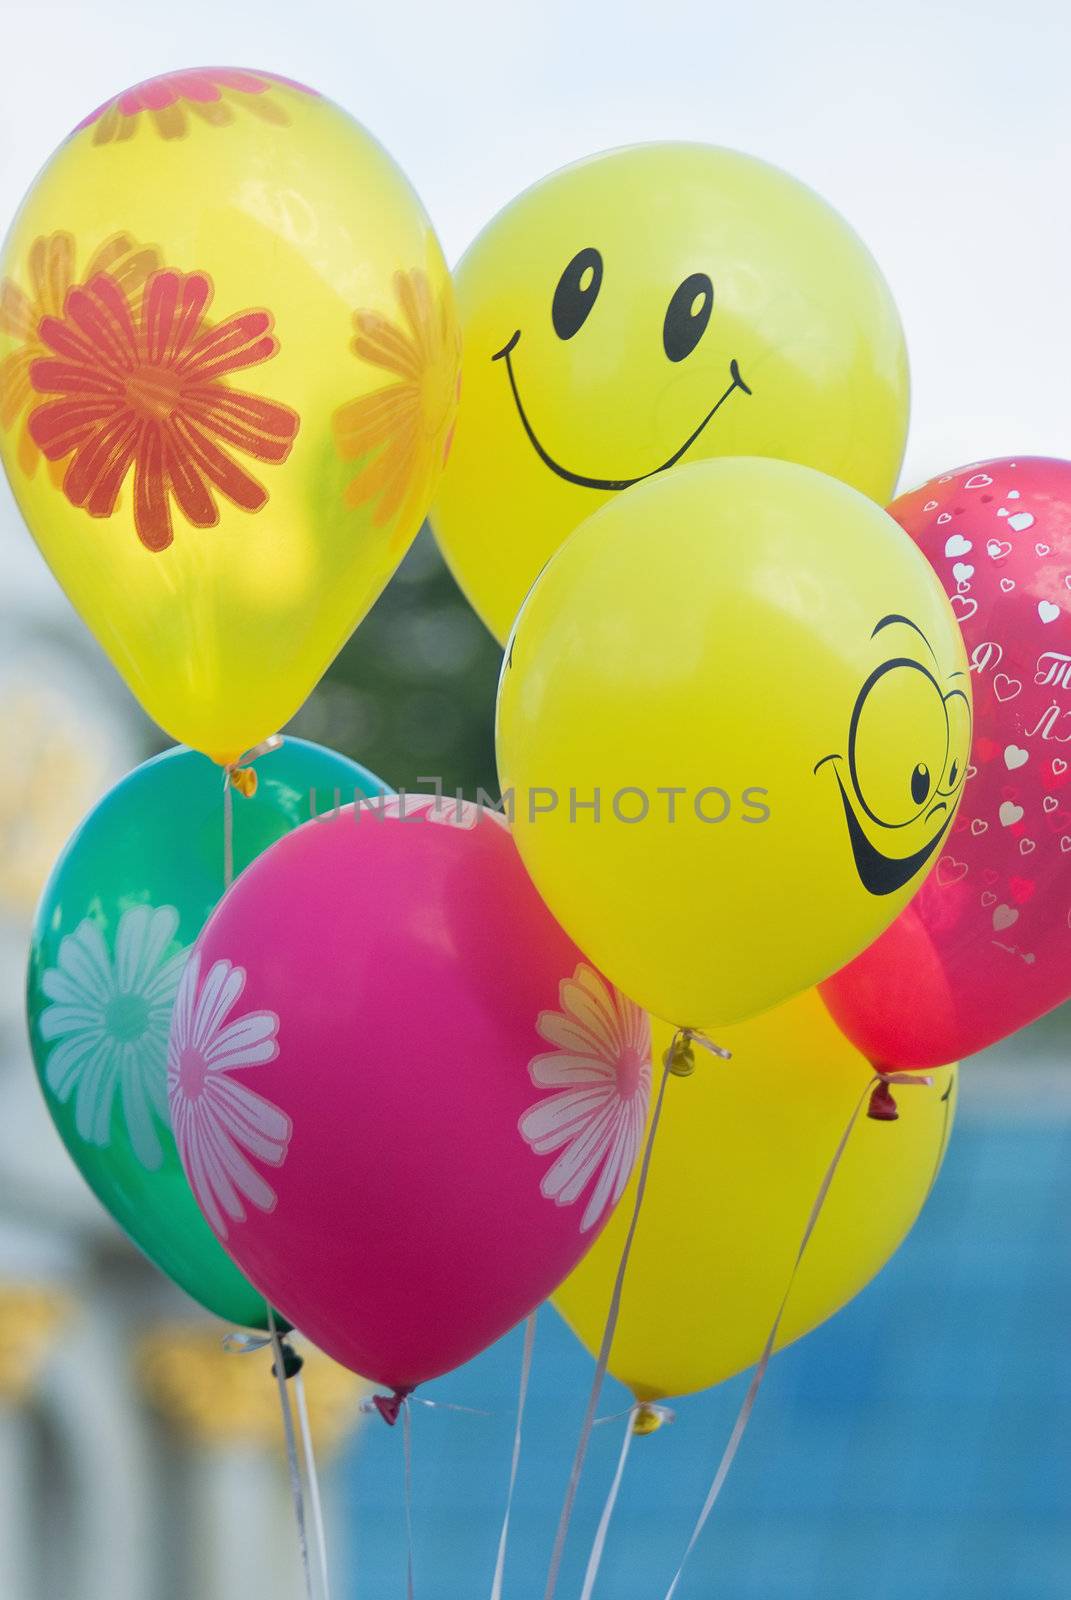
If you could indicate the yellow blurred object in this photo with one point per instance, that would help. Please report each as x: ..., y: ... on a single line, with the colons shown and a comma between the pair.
x: 657, y: 304
x: 229, y: 367
x: 33, y: 1315
x: 216, y: 1397
x: 732, y: 764
x: 740, y: 1154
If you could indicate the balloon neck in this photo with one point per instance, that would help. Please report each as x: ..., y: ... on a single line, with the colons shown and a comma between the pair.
x: 292, y: 1362
x: 244, y: 779
x: 883, y: 1107
x: 647, y: 1418
x: 680, y: 1057
x: 389, y: 1405
x: 241, y: 774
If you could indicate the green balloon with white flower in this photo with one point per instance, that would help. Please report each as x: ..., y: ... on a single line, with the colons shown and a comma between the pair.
x: 124, y: 904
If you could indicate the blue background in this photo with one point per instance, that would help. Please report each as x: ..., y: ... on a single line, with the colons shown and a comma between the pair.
x: 918, y: 1445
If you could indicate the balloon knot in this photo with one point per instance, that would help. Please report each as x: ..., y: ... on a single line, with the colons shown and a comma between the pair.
x: 390, y: 1405
x: 244, y: 779
x: 292, y: 1362
x: 883, y: 1107
x: 649, y: 1418
x: 679, y: 1059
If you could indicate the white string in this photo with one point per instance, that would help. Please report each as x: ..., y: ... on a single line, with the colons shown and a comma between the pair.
x: 744, y: 1414
x: 599, y: 1544
x: 522, y: 1394
x: 607, y: 1341
x: 407, y: 1444
x: 296, y: 1491
x: 313, y: 1479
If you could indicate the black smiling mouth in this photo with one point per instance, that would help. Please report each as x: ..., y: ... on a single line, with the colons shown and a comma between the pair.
x: 506, y: 353
x: 878, y: 873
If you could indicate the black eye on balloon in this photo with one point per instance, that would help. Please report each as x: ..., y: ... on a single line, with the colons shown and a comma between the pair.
x: 687, y: 316
x: 920, y: 783
x: 577, y: 291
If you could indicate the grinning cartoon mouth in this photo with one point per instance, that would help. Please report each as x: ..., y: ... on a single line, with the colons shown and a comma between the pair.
x: 506, y: 353
x: 878, y: 873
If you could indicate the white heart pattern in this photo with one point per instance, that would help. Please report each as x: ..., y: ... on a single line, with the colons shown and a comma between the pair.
x: 1049, y: 803
x: 1010, y: 814
x: 998, y: 549
x: 1006, y: 688
x: 1014, y: 757
x: 1007, y: 584
x: 957, y: 546
x: 981, y: 480
x: 962, y: 571
x: 1047, y: 611
x: 1004, y: 917
x: 1021, y: 521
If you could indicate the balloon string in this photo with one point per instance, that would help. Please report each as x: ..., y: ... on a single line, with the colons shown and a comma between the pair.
x: 294, y: 1470
x: 744, y: 1414
x: 407, y: 1450
x: 241, y: 775
x: 608, y: 1336
x: 599, y: 1543
x: 228, y: 831
x: 313, y: 1480
x: 522, y: 1394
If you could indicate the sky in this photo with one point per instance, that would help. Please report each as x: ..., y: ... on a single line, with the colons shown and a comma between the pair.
x: 941, y: 131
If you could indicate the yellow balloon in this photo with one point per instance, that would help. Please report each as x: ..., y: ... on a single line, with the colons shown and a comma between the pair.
x: 732, y: 764
x: 229, y: 364
x: 657, y: 304
x: 739, y: 1156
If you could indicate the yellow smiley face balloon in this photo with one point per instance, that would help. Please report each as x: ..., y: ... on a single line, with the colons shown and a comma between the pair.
x: 229, y: 366
x: 656, y: 305
x: 733, y: 765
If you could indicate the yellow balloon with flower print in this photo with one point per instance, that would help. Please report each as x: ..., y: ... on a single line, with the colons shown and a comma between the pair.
x: 229, y: 371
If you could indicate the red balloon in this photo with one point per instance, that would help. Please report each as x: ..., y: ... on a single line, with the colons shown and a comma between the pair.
x: 985, y: 945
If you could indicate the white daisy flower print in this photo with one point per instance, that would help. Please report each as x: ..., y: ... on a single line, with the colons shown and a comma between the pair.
x: 111, y: 1018
x: 448, y: 810
x: 218, y: 1122
x: 601, y: 1068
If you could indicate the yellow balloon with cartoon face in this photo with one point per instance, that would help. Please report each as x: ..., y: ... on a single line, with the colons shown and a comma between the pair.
x: 732, y: 765
x: 656, y: 305
x: 229, y: 364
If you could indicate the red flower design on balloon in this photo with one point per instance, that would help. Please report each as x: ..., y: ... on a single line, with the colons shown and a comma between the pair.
x: 50, y: 272
x: 210, y: 93
x: 144, y: 388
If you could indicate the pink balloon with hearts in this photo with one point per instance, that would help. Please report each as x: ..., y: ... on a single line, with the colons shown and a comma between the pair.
x: 985, y: 946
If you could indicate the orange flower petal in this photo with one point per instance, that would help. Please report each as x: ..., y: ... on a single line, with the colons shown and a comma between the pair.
x: 15, y: 387
x: 16, y: 312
